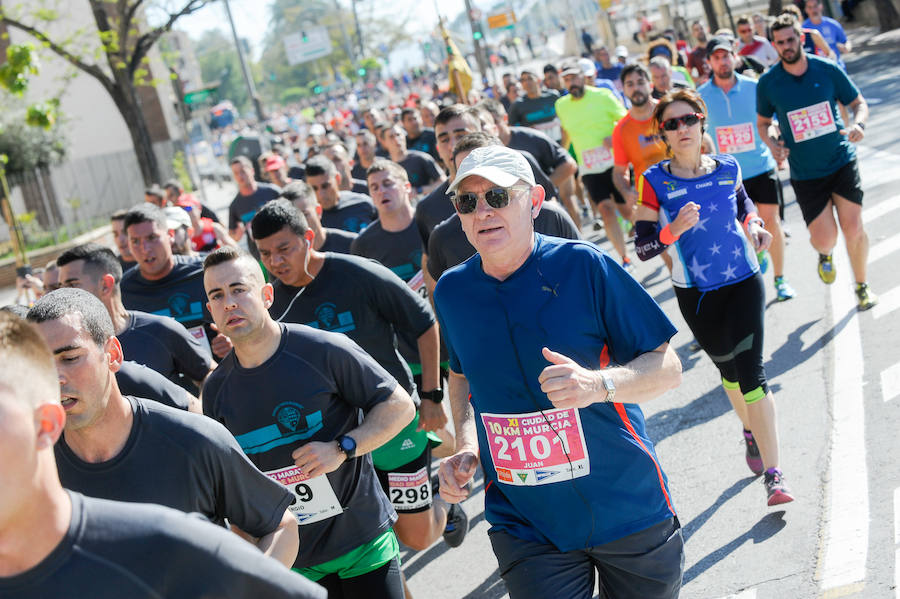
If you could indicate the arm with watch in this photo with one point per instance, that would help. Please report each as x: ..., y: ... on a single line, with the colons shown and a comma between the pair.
x: 380, y: 424
x: 570, y: 385
x: 431, y: 413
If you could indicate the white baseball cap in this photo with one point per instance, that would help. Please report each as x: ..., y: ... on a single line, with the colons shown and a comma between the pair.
x: 498, y: 164
x: 621, y: 52
x: 177, y: 217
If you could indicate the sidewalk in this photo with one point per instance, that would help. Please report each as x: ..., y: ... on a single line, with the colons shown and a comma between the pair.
x: 869, y: 37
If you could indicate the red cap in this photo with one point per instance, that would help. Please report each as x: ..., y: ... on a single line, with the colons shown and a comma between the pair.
x: 274, y: 162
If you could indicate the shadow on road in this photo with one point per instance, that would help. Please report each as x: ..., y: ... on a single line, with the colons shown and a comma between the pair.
x: 767, y: 527
x: 700, y: 519
x: 793, y: 353
x: 492, y: 588
x: 708, y: 406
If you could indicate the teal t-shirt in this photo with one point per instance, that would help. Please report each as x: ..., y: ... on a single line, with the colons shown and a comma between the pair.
x: 807, y: 112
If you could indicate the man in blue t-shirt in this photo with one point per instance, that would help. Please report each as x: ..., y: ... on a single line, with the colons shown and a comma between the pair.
x: 830, y: 29
x: 542, y: 336
x: 803, y: 91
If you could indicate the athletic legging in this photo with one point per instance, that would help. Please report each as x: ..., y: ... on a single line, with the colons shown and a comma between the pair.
x: 728, y: 324
x: 383, y: 583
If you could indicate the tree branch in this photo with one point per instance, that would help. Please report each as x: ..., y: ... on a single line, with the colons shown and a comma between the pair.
x: 90, y: 69
x: 127, y: 19
x: 146, y: 41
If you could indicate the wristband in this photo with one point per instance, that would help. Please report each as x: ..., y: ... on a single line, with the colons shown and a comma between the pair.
x: 666, y: 236
x: 861, y: 126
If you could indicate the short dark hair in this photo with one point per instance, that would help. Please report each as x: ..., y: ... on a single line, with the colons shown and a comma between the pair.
x: 448, y: 113
x: 224, y: 254
x: 320, y: 165
x: 549, y: 68
x: 384, y: 165
x: 296, y: 190
x: 634, y: 67
x: 276, y: 215
x: 99, y: 259
x: 743, y: 20
x: 146, y: 213
x: 493, y: 107
x: 784, y: 21
x: 118, y: 215
x: 477, y: 139
x: 174, y: 184
x: 242, y: 160
x: 94, y: 316
x: 407, y: 111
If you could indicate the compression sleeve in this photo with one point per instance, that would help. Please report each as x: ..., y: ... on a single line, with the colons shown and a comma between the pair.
x: 647, y: 242
x: 746, y: 210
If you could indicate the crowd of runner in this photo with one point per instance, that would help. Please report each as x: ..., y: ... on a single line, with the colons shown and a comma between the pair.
x: 282, y: 376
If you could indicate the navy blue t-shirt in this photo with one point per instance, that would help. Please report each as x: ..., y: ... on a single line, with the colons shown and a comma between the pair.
x: 179, y: 295
x: 421, y: 169
x: 139, y: 381
x: 432, y: 210
x: 353, y: 212
x: 337, y: 240
x: 160, y: 343
x: 574, y: 299
x: 426, y: 142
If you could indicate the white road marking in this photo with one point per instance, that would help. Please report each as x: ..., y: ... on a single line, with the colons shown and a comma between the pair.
x: 897, y: 543
x: 843, y: 560
x: 880, y: 209
x: 890, y: 389
x: 745, y: 594
x: 887, y: 303
x: 884, y: 248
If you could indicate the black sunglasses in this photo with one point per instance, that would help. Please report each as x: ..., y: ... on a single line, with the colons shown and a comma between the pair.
x: 690, y: 119
x: 496, y: 197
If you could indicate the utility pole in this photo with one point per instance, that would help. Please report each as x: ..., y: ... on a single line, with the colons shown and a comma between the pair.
x: 359, y: 38
x: 248, y: 77
x: 477, y: 37
x: 347, y: 45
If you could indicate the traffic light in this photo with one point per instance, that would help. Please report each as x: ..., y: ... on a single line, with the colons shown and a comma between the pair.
x: 305, y: 37
x: 361, y: 71
x: 317, y: 89
x: 476, y: 31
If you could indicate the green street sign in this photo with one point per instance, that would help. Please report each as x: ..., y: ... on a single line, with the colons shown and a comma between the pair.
x: 198, y: 96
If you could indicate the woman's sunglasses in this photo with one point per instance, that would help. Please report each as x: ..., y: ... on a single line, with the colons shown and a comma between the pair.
x: 690, y: 119
x: 496, y: 197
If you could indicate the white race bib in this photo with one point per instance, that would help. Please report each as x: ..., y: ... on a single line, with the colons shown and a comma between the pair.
x: 409, y: 490
x: 812, y: 121
x: 314, y: 499
x: 597, y: 160
x: 537, y: 448
x: 551, y: 129
x: 199, y: 333
x: 734, y: 139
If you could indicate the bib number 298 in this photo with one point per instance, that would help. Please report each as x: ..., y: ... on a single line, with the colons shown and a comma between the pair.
x: 409, y: 490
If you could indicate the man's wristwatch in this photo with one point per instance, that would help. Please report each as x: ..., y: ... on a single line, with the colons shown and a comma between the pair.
x: 861, y: 126
x: 436, y: 395
x: 610, y: 387
x: 347, y: 445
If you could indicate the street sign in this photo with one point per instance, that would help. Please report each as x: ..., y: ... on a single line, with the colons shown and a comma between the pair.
x: 198, y: 96
x: 306, y: 45
x: 502, y: 20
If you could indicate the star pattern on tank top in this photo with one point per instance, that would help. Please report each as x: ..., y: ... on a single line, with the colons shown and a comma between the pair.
x: 713, y: 207
x: 715, y: 248
x: 701, y: 224
x: 728, y: 273
x: 698, y: 269
x: 737, y: 251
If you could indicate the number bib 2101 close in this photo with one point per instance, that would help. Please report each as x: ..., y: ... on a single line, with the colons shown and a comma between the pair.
x: 313, y: 500
x: 538, y: 448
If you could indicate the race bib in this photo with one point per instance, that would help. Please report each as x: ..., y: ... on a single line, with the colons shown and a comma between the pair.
x: 199, y: 333
x: 537, y: 448
x: 597, y: 160
x: 551, y: 129
x: 313, y: 500
x: 409, y: 490
x: 735, y: 139
x: 417, y: 284
x: 812, y: 121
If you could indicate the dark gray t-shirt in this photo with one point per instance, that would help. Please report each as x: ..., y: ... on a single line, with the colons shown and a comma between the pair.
x: 138, y: 380
x: 179, y: 295
x: 353, y: 212
x: 243, y: 209
x: 365, y: 301
x: 421, y: 169
x: 426, y: 142
x: 529, y: 112
x: 114, y: 549
x: 547, y: 152
x: 183, y: 461
x: 432, y: 210
x: 315, y: 387
x: 162, y: 344
x: 337, y: 240
x: 449, y: 246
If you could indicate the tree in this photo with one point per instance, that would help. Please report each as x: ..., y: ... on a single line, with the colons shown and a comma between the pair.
x: 888, y: 17
x: 114, y: 53
x: 219, y: 62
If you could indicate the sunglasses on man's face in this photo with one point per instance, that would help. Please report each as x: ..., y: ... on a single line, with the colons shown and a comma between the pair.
x: 690, y: 119
x: 496, y: 197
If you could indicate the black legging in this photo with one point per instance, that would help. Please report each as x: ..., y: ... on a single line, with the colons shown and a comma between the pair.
x: 728, y: 324
x: 383, y: 583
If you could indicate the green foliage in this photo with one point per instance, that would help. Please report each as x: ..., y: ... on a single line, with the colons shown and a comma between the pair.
x: 179, y: 165
x: 219, y: 62
x: 43, y: 114
x: 293, y: 94
x: 21, y: 63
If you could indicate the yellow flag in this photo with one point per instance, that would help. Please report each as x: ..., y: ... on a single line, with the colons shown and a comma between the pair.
x: 459, y: 73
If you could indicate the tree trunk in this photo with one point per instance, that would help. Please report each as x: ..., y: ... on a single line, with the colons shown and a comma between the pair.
x: 129, y: 107
x: 775, y: 7
x: 888, y: 17
x: 710, y: 11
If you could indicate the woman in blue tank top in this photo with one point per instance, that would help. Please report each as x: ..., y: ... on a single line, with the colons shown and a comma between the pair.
x: 696, y: 205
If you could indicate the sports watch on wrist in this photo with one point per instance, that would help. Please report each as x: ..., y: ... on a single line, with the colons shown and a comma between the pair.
x: 435, y: 395
x: 609, y: 386
x: 347, y: 445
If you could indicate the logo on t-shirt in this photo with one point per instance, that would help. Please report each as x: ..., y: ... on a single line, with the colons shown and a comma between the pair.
x: 648, y: 140
x: 354, y: 224
x: 670, y: 185
x: 181, y: 308
x: 291, y: 424
x: 329, y: 319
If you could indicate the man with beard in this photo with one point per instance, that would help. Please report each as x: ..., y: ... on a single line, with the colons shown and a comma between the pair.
x: 731, y: 104
x: 588, y: 115
x: 804, y: 92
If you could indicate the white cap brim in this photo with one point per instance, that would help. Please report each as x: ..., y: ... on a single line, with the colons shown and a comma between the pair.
x: 491, y: 173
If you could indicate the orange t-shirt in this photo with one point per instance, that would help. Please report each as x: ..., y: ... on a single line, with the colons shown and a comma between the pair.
x: 637, y: 143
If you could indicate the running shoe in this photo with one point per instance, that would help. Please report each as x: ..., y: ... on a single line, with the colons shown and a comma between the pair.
x: 754, y: 460
x: 598, y: 224
x: 865, y: 298
x: 783, y: 291
x: 763, y: 259
x: 627, y: 265
x: 775, y: 488
x: 457, y: 526
x: 826, y: 269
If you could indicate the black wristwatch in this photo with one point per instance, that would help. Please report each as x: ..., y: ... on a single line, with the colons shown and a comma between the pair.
x: 347, y: 445
x: 437, y: 395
